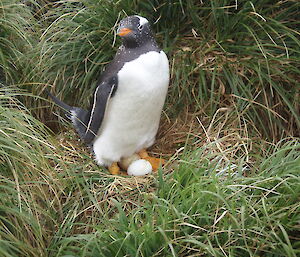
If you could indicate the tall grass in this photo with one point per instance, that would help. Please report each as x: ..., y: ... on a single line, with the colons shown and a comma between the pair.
x: 230, y: 187
x: 221, y: 53
x: 23, y: 138
x: 17, y: 37
x: 38, y: 180
x: 23, y: 166
x: 238, y: 56
x: 195, y: 212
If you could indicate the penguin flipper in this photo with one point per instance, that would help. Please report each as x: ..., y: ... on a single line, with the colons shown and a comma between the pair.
x: 87, y: 123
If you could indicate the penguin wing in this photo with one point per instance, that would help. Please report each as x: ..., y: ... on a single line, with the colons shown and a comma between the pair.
x: 87, y: 123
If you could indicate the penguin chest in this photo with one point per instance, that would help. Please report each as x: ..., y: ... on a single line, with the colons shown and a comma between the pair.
x: 132, y: 116
x: 142, y: 87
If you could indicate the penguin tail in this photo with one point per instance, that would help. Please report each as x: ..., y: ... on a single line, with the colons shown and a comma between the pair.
x: 67, y: 108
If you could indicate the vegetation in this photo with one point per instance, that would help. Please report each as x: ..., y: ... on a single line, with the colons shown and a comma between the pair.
x: 229, y: 130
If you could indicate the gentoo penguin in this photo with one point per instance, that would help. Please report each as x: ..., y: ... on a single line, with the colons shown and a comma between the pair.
x: 126, y: 106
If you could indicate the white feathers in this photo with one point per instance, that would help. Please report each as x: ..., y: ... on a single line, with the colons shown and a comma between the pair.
x: 93, y: 109
x: 139, y: 168
x: 132, y: 115
x: 73, y: 117
x: 142, y: 20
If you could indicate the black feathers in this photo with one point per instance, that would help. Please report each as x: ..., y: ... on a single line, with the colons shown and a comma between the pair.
x: 87, y: 123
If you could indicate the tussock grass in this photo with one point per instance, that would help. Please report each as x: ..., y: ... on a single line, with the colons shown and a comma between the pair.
x: 231, y: 184
x: 23, y: 163
x: 17, y: 38
x: 195, y: 212
x: 220, y: 54
x: 23, y: 139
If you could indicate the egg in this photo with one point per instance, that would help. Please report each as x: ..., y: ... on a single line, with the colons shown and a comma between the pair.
x: 125, y: 162
x: 139, y: 168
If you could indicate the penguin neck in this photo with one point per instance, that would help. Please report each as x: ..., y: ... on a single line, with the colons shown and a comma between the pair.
x: 138, y: 44
x: 131, y: 44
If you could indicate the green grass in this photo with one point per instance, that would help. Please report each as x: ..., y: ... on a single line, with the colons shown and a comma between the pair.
x: 23, y: 162
x: 194, y: 212
x: 230, y: 130
x: 17, y: 38
x: 219, y: 53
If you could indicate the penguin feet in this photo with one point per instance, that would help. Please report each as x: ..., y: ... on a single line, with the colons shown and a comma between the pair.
x: 114, y: 169
x: 155, y: 162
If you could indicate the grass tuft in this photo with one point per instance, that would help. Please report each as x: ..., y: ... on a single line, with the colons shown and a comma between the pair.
x: 195, y: 212
x: 229, y: 132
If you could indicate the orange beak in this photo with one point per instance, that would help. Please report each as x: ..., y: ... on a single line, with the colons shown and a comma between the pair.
x: 123, y: 31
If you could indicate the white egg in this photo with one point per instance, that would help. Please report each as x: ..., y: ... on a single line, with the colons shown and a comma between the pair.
x: 125, y: 162
x: 139, y: 168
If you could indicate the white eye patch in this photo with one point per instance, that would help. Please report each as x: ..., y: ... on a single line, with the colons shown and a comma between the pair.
x: 142, y: 20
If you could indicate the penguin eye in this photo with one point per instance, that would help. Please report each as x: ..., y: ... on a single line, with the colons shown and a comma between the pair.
x: 140, y: 27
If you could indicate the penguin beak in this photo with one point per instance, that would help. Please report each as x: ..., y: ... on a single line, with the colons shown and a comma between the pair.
x: 123, y: 31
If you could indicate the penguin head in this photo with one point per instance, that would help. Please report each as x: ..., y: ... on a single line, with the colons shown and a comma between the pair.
x: 134, y: 31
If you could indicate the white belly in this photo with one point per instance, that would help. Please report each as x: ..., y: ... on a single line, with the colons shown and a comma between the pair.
x: 132, y: 115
